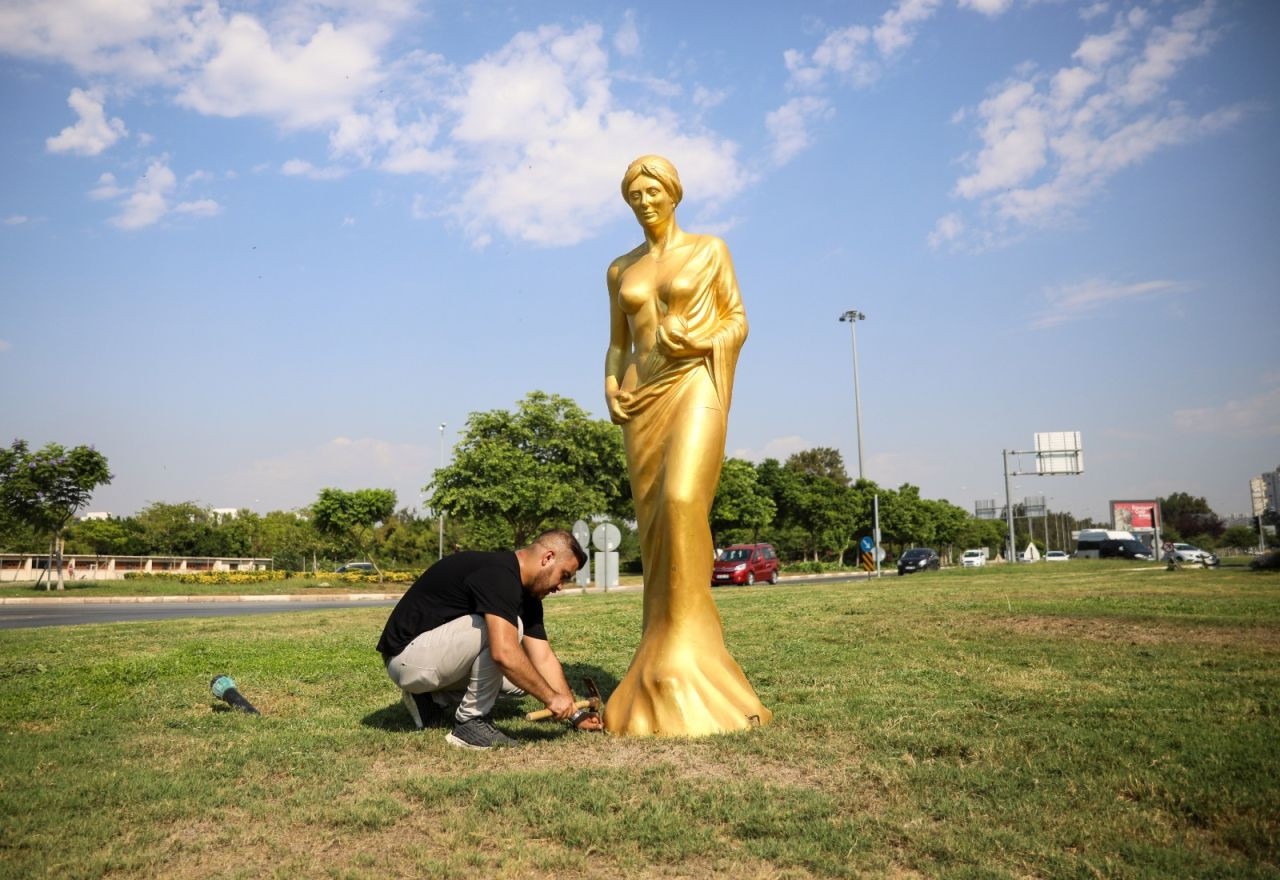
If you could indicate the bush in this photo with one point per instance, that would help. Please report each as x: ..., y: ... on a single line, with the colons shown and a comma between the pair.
x: 1266, y: 562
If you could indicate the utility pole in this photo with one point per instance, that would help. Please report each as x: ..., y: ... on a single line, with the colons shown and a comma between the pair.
x: 440, y: 513
x: 853, y: 316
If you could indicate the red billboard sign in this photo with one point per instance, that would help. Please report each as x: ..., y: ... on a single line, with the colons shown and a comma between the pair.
x: 1128, y: 516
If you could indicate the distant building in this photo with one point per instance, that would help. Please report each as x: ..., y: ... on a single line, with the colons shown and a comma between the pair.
x: 221, y: 514
x: 96, y: 514
x: 1264, y: 491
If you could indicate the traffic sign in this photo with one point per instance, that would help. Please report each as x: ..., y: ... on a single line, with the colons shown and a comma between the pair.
x: 866, y: 544
x: 606, y: 537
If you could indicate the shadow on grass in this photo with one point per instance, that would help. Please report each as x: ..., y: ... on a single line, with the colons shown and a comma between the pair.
x: 393, y: 716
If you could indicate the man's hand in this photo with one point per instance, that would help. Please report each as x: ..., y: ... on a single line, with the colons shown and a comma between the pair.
x: 561, y: 706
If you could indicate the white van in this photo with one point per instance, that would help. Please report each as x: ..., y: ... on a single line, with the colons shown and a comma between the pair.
x: 1106, y: 544
x: 974, y: 558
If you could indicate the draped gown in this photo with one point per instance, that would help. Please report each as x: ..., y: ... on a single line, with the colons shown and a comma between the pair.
x: 682, y: 680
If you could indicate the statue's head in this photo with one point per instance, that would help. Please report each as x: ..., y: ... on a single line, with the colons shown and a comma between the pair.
x: 660, y: 170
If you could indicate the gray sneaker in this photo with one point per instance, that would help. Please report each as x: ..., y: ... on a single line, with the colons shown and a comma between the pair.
x: 479, y: 733
x: 423, y: 710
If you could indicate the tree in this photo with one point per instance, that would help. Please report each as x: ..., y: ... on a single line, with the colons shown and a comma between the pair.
x: 740, y: 502
x: 44, y: 489
x: 546, y: 464
x: 105, y: 537
x: 353, y: 517
x: 182, y: 529
x: 1239, y: 537
x: 1189, y: 515
x: 821, y: 461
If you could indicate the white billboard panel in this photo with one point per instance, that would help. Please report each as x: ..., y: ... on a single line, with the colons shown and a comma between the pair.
x: 1059, y: 452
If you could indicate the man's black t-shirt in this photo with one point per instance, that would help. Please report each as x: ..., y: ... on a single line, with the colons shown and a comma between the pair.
x: 464, y: 583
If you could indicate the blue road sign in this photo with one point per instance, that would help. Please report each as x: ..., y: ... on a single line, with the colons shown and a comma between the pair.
x: 867, y: 544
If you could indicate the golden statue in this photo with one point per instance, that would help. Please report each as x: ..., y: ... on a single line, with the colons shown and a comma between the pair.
x: 676, y: 326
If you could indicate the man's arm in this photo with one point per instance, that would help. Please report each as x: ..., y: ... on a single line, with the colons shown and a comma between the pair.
x: 516, y: 664
x: 548, y: 665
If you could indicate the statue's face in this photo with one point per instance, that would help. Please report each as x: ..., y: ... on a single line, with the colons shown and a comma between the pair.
x: 650, y: 200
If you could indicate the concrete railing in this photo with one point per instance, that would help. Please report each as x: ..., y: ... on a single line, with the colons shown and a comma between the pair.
x: 84, y: 567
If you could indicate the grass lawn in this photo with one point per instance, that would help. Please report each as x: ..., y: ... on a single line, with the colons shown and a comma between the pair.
x: 171, y: 586
x: 1080, y: 720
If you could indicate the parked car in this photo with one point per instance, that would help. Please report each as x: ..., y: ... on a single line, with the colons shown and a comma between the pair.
x: 356, y: 568
x: 1056, y: 556
x: 1191, y: 553
x: 918, y: 559
x: 973, y: 559
x: 746, y: 564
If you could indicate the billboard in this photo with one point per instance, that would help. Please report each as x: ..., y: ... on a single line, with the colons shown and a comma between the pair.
x: 1059, y: 452
x: 1135, y: 516
x: 986, y: 509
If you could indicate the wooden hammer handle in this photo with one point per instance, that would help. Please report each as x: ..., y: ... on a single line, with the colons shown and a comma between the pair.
x: 543, y: 714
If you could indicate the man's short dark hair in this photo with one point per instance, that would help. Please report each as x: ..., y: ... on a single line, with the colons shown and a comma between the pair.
x: 562, y: 540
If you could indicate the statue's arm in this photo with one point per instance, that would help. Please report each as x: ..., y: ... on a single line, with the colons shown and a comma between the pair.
x: 731, y: 331
x: 615, y: 359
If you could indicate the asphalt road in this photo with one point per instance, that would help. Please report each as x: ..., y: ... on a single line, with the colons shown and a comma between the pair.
x: 20, y: 616
x: 24, y: 616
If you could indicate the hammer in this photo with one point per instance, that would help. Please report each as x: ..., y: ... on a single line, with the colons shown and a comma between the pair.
x: 593, y: 702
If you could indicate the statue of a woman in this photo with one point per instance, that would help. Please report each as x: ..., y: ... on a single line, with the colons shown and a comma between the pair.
x: 676, y: 326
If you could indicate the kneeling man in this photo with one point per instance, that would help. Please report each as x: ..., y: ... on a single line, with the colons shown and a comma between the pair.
x: 471, y: 628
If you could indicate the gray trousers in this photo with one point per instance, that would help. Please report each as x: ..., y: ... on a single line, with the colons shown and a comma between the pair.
x: 453, y: 663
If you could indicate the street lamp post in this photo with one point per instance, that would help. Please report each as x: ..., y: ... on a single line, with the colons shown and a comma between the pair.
x: 440, y: 513
x: 853, y: 316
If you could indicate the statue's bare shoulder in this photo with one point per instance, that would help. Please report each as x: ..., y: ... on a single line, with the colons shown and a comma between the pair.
x: 622, y: 263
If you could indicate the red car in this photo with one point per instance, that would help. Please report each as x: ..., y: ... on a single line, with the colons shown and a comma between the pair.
x: 746, y: 564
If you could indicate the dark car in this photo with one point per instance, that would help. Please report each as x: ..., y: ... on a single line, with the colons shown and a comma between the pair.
x: 746, y: 564
x: 918, y: 559
x: 1124, y: 549
x: 356, y: 568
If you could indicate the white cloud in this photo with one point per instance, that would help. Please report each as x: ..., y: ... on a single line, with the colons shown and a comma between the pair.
x: 788, y: 126
x: 1051, y: 142
x: 539, y: 117
x: 896, y: 30
x: 1088, y: 13
x: 199, y: 208
x: 299, y: 84
x: 1253, y: 416
x: 780, y: 448
x: 627, y: 38
x: 527, y: 141
x: 107, y: 187
x: 946, y: 230
x: 16, y: 219
x: 987, y: 7
x: 93, y: 133
x: 148, y: 202
x: 303, y: 168
x: 1070, y: 302
x: 150, y: 198
x: 843, y: 53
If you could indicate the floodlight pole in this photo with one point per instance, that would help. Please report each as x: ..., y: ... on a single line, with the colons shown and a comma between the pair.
x: 440, y: 513
x: 853, y: 316
x: 1008, y: 507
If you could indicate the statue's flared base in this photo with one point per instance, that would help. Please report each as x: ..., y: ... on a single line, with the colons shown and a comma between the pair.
x: 682, y: 687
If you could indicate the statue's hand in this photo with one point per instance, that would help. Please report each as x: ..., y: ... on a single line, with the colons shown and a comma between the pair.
x: 673, y: 335
x: 619, y: 402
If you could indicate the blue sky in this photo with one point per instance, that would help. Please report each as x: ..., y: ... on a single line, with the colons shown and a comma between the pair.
x: 251, y: 250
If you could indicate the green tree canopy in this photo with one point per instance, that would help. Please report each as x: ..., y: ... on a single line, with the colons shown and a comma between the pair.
x: 44, y: 489
x: 351, y: 518
x: 546, y: 464
x: 1190, y: 515
x: 821, y: 461
x: 740, y: 502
